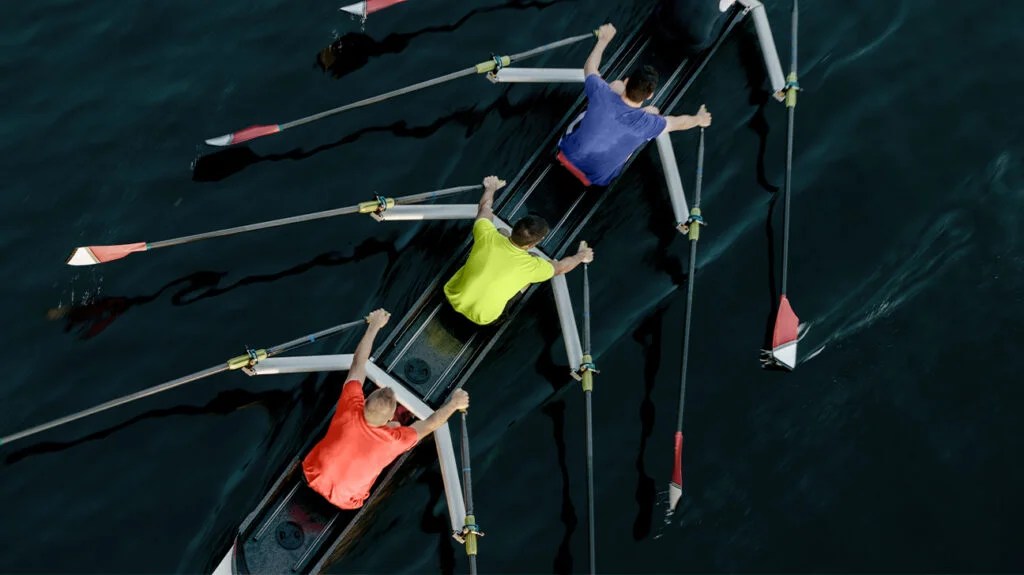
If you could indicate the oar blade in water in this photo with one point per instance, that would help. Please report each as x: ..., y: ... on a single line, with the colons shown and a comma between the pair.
x: 92, y: 255
x: 785, y: 335
x: 369, y: 6
x: 244, y: 135
x: 675, y: 487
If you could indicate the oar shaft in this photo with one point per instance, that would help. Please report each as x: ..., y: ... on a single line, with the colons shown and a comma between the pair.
x: 690, y: 284
x: 113, y: 403
x: 467, y: 493
x: 234, y: 363
x: 301, y: 341
x: 548, y: 47
x: 429, y: 83
x: 411, y: 199
x: 253, y: 227
x: 381, y: 97
x: 791, y: 110
x: 586, y: 309
x: 590, y: 485
x: 426, y: 196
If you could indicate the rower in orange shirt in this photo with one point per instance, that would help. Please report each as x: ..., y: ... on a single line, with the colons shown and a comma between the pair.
x: 361, y: 439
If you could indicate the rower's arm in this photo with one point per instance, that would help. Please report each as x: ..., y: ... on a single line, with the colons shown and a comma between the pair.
x: 585, y: 254
x: 680, y: 123
x: 566, y: 265
x: 483, y: 210
x: 677, y: 123
x: 459, y: 400
x: 604, y: 37
x: 376, y: 320
x: 491, y: 185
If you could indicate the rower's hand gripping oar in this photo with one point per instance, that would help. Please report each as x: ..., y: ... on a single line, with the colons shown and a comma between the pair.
x: 675, y: 486
x: 495, y: 63
x: 249, y: 359
x: 470, y: 530
x: 586, y: 371
x: 92, y: 255
x: 786, y: 332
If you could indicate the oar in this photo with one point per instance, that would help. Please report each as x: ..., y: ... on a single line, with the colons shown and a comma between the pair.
x: 787, y: 324
x: 470, y: 530
x: 367, y: 7
x: 252, y: 357
x: 92, y: 255
x: 588, y: 370
x: 497, y: 62
x: 675, y: 486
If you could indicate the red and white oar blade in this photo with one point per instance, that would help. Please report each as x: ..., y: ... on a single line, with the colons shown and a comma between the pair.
x: 675, y: 487
x: 785, y: 335
x: 369, y: 6
x: 92, y: 255
x: 244, y: 135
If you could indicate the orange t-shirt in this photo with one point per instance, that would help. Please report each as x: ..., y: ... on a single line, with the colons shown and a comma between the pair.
x: 345, y: 463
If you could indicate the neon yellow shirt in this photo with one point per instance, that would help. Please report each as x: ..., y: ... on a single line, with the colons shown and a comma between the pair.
x: 494, y: 273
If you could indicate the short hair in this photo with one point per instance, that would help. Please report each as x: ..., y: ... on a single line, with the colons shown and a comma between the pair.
x: 529, y: 230
x: 642, y: 83
x: 382, y: 403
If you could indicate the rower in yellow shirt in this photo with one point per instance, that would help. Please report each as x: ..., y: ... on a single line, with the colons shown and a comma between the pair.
x: 499, y: 267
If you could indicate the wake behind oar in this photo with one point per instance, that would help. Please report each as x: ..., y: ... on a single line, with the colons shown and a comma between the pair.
x: 249, y: 359
x: 496, y: 63
x: 92, y: 255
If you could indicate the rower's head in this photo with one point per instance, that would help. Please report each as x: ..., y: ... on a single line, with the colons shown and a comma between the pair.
x: 380, y: 406
x: 529, y: 231
x: 641, y: 84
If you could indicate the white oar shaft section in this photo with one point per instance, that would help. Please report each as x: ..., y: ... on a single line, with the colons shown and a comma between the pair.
x: 450, y: 476
x: 417, y: 213
x: 536, y: 75
x: 768, y: 50
x: 567, y: 319
x: 680, y: 209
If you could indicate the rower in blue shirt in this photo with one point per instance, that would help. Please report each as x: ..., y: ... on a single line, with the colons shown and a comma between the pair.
x: 616, y: 122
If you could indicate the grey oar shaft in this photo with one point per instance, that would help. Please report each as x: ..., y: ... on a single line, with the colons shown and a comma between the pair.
x: 416, y: 198
x: 381, y: 97
x: 304, y: 218
x: 277, y: 349
x: 467, y: 485
x: 789, y: 158
x: 689, y: 286
x: 253, y: 227
x: 586, y: 309
x: 300, y: 341
x: 114, y: 403
x: 590, y: 485
x: 590, y: 422
x: 547, y: 47
x: 429, y: 83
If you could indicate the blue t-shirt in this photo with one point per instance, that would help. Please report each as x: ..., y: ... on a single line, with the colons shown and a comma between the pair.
x: 609, y: 133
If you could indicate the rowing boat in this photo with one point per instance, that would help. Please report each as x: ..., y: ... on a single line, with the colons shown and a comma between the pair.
x: 433, y: 351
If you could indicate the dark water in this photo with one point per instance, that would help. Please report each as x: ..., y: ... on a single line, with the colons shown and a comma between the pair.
x: 896, y: 447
